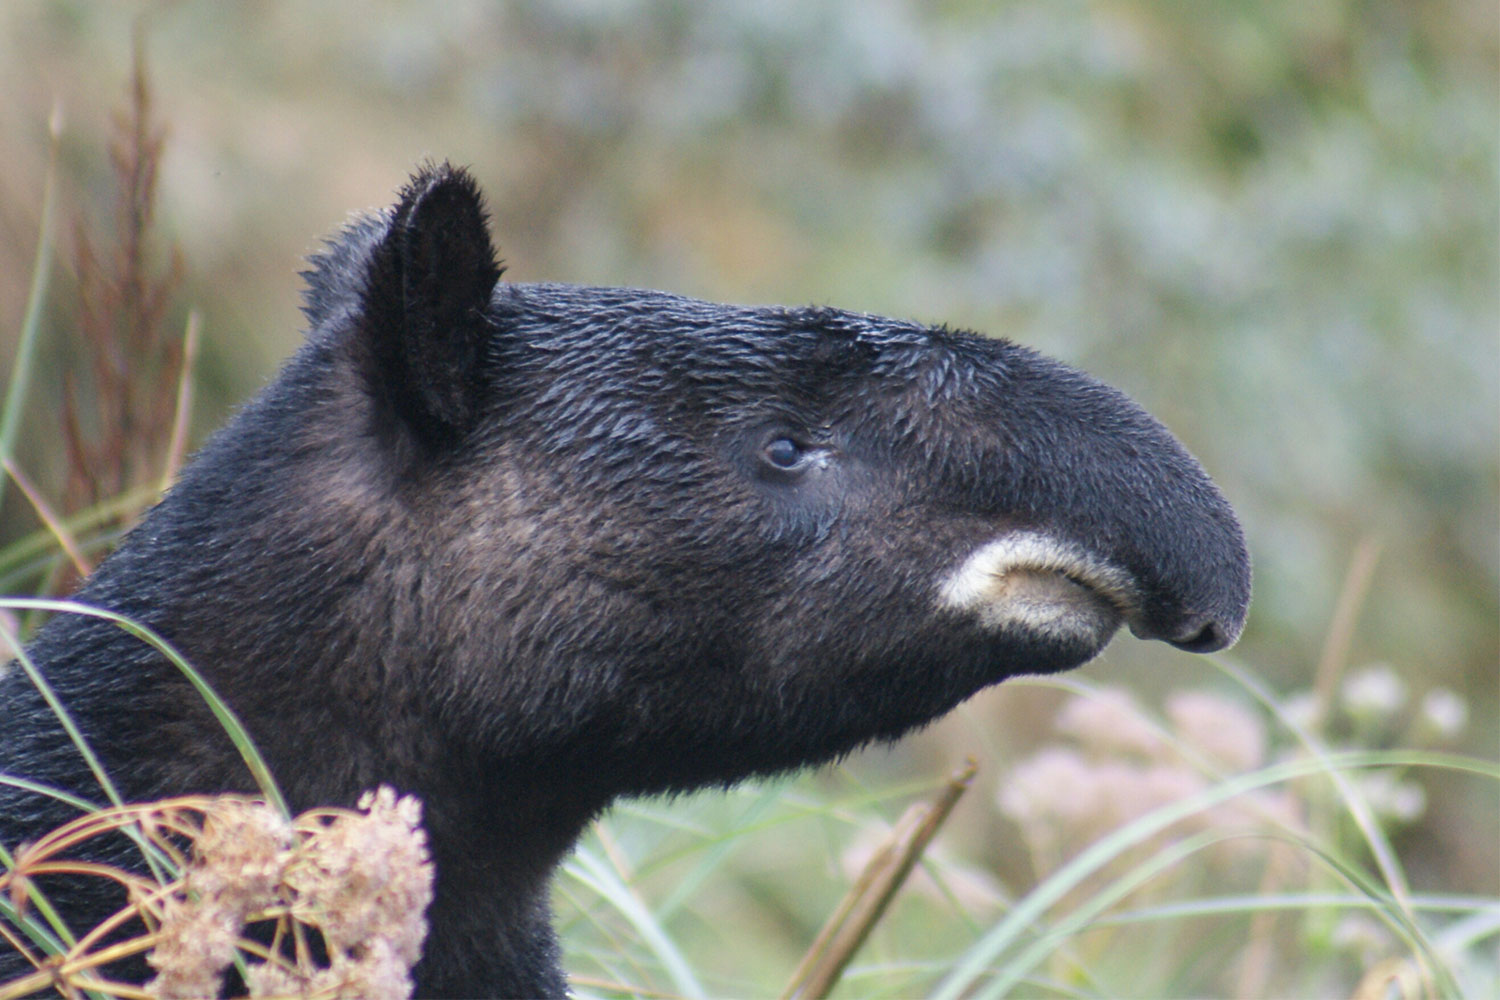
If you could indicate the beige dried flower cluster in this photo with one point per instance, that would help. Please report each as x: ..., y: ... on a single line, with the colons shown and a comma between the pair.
x: 361, y: 880
x: 238, y: 858
x: 1117, y: 764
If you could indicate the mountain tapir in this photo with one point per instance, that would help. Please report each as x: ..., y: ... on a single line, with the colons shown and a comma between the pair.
x: 521, y: 549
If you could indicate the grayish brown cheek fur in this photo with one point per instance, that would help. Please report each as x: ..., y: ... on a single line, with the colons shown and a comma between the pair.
x: 522, y: 549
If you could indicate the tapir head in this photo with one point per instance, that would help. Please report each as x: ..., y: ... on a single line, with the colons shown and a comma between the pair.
x: 720, y: 539
x: 521, y: 549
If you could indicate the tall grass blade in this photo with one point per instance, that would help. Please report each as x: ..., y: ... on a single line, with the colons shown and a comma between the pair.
x: 1220, y: 906
x: 225, y: 716
x: 1016, y: 969
x: 24, y: 557
x: 1355, y: 803
x: 592, y: 871
x: 714, y: 856
x: 36, y: 297
x: 177, y: 442
x: 1028, y: 913
x: 53, y: 937
x: 49, y: 518
x: 64, y: 718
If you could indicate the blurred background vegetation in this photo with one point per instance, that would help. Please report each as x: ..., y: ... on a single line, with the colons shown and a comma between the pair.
x: 1274, y: 223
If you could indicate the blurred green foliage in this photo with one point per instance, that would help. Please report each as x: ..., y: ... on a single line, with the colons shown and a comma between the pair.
x: 1275, y: 223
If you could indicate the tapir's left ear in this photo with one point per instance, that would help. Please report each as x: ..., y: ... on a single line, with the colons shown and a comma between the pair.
x: 426, y: 295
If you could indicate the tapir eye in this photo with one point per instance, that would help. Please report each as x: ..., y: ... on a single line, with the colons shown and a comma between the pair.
x: 783, y: 453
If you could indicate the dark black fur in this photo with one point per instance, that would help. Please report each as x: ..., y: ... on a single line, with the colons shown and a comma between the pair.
x: 521, y: 549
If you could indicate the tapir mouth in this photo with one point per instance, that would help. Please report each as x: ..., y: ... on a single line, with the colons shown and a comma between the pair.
x: 1030, y: 583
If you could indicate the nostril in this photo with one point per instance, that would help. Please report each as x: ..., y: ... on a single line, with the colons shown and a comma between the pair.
x: 1200, y: 637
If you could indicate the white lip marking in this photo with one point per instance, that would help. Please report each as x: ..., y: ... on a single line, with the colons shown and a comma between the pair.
x: 1037, y: 583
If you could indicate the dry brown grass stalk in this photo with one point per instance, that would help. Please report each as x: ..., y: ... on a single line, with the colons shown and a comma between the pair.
x: 331, y: 904
x: 866, y: 902
x: 124, y: 295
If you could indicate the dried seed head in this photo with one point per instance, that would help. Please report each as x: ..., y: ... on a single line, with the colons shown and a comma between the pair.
x: 238, y: 858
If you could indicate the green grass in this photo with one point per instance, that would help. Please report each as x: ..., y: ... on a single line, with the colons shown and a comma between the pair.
x: 1163, y: 923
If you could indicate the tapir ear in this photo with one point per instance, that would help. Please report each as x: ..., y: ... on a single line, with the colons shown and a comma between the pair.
x: 426, y: 296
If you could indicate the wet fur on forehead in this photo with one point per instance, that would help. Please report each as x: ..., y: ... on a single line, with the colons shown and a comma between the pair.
x: 711, y: 358
x: 652, y: 341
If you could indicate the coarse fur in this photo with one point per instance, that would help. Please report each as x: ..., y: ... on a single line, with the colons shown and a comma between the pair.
x: 523, y: 549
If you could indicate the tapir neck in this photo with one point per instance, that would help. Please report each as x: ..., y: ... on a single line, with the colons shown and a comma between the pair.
x: 495, y: 853
x: 497, y: 825
x: 335, y: 714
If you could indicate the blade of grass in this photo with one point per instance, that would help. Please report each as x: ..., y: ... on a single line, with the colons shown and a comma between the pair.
x: 49, y: 518
x: 1218, y: 906
x: 225, y: 716
x: 612, y: 955
x: 41, y: 935
x: 64, y: 718
x: 1358, y: 808
x: 1465, y: 934
x: 1088, y: 912
x: 81, y: 804
x: 1016, y: 969
x: 36, y: 296
x: 866, y: 902
x: 1336, y: 642
x: 1399, y: 918
x: 615, y: 986
x: 1028, y: 912
x: 64, y: 939
x: 714, y: 856
x: 1483, y: 922
x: 794, y: 808
x: 75, y: 735
x: 177, y: 443
x: 36, y: 787
x: 18, y: 559
x: 592, y: 871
